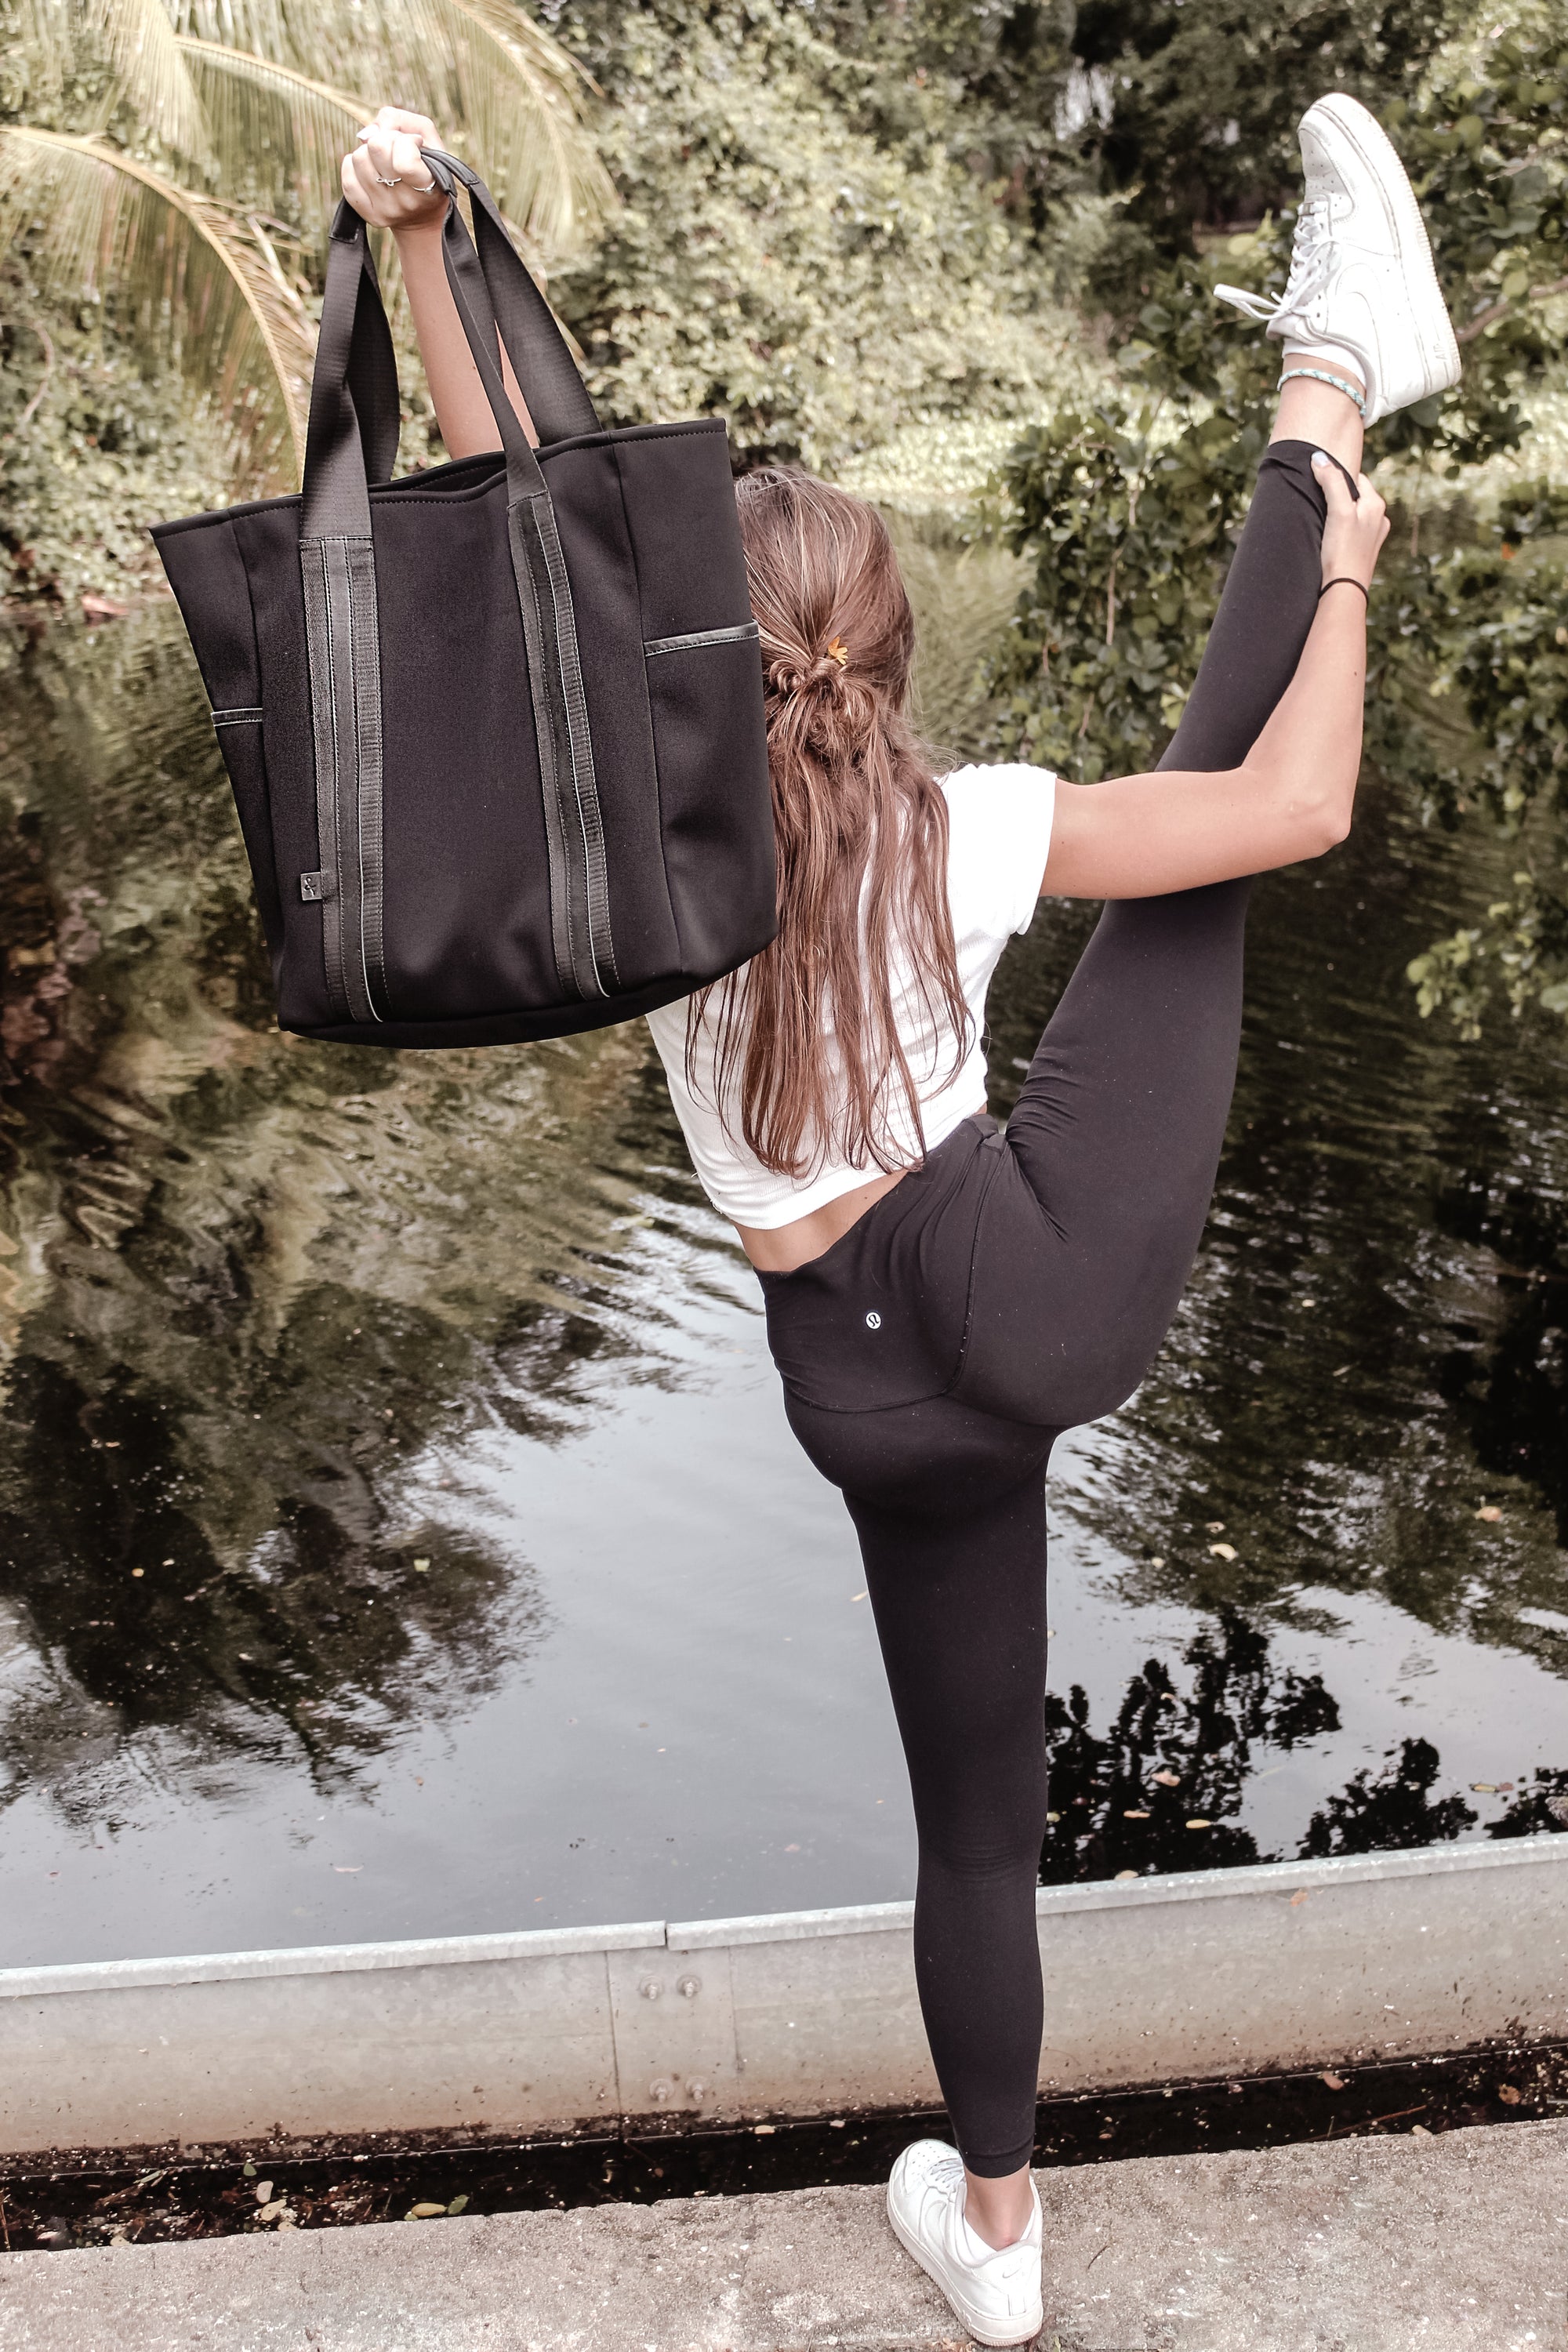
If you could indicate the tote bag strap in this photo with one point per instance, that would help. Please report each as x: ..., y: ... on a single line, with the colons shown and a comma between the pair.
x: 346, y: 448
x: 556, y: 395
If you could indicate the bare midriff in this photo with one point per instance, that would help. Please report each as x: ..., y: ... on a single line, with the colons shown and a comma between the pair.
x: 782, y: 1248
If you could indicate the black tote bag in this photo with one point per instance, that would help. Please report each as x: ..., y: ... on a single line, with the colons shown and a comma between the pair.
x: 495, y: 730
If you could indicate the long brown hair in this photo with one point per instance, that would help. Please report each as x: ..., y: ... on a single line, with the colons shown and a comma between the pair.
x: 862, y: 834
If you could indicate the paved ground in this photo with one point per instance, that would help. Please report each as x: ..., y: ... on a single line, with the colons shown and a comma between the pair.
x: 1452, y: 2244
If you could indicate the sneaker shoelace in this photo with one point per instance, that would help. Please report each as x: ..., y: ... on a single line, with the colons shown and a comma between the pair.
x: 1308, y: 253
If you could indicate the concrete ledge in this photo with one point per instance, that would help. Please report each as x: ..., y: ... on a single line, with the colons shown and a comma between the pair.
x: 1160, y: 1980
x: 1367, y: 2246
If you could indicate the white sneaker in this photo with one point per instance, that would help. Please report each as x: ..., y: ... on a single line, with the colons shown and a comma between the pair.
x: 995, y: 2294
x: 1362, y: 293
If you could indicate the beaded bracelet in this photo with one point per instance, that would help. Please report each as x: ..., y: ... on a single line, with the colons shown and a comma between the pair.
x: 1338, y: 383
x: 1343, y: 580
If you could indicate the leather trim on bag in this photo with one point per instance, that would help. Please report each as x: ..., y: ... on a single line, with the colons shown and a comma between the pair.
x: 585, y: 782
x: 250, y: 716
x: 580, y: 906
x: 746, y: 632
x: 563, y: 938
x: 365, y: 652
x: 339, y: 580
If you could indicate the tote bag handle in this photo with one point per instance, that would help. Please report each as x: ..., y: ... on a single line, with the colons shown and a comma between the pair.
x: 351, y: 438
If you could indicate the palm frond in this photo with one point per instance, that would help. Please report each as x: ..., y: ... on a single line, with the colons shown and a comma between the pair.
x: 95, y: 219
x: 134, y: 39
x: 508, y: 96
x: 273, y: 124
x: 526, y: 124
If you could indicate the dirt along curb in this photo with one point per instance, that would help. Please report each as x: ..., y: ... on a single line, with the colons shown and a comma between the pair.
x: 1393, y: 2245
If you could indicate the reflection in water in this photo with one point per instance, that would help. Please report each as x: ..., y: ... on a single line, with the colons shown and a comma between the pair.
x: 1161, y: 1791
x: 1510, y: 1381
x: 310, y: 1356
x: 243, y: 1280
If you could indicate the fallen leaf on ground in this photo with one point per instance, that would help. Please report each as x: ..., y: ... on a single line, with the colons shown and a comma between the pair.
x: 1135, y: 1813
x: 425, y: 2210
x: 1509, y: 2095
x: 348, y: 1869
x: 1214, y: 1527
x: 1222, y: 1552
x: 1483, y: 1788
x: 1199, y: 1823
x: 1126, y: 1874
x: 1334, y: 2081
x: 1488, y: 1511
x: 422, y: 1565
x: 457, y: 2204
x: 1167, y: 1780
x: 1300, y: 1896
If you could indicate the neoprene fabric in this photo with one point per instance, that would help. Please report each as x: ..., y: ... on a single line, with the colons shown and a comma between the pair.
x: 495, y: 730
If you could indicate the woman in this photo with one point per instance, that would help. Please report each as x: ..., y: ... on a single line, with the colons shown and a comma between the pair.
x: 944, y: 1299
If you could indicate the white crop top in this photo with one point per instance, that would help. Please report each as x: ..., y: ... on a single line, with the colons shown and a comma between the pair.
x: 999, y: 832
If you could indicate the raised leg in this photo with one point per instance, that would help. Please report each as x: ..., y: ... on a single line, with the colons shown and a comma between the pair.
x: 1118, y: 1130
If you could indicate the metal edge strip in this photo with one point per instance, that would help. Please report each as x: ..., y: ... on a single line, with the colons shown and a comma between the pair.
x: 1258, y: 1880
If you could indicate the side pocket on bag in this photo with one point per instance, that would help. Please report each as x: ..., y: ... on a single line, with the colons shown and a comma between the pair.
x: 710, y: 748
x: 241, y: 741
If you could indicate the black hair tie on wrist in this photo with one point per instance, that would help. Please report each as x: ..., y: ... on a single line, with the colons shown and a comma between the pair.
x: 1343, y: 580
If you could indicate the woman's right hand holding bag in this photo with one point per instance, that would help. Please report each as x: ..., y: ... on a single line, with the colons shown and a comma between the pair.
x: 385, y: 177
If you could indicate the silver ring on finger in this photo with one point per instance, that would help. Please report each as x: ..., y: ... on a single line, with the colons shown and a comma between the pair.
x: 390, y: 183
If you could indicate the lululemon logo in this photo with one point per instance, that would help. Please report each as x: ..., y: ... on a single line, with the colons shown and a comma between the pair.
x: 873, y: 1322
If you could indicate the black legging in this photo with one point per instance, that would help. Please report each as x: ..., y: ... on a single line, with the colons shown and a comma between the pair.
x: 1012, y: 1287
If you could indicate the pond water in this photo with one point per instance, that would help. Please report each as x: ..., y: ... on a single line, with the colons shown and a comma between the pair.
x: 399, y: 1530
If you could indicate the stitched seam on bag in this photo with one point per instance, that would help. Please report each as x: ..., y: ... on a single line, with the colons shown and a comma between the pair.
x: 318, y: 647
x: 585, y: 784
x: 351, y: 947
x: 364, y: 666
x: 647, y: 712
x: 244, y: 715
x: 563, y: 947
x: 744, y: 633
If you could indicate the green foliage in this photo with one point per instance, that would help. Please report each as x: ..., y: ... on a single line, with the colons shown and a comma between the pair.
x: 166, y: 170
x: 1191, y: 110
x: 1129, y: 534
x: 1128, y: 514
x: 783, y: 256
x: 88, y: 448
